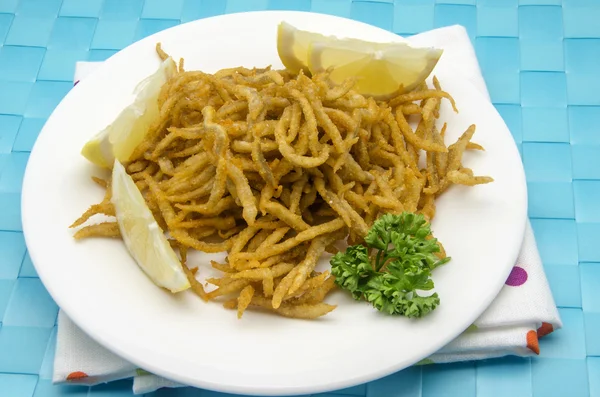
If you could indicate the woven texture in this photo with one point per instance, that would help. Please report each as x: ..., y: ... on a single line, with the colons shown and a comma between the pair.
x: 539, y: 59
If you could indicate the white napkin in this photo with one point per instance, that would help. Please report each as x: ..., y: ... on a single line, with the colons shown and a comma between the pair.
x: 523, y: 311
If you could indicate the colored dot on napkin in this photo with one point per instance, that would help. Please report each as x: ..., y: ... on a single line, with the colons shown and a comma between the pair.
x: 517, y: 277
x: 76, y: 375
x: 532, y: 342
x: 544, y: 330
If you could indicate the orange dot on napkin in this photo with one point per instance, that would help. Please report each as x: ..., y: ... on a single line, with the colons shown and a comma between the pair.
x: 532, y: 342
x: 77, y: 375
x: 545, y: 329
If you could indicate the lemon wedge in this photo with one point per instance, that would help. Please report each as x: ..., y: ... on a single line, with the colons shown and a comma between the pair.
x: 142, y: 235
x: 382, y: 69
x: 124, y: 134
x: 292, y: 46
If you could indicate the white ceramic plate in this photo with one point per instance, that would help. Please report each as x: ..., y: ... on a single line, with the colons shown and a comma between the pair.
x: 99, y: 286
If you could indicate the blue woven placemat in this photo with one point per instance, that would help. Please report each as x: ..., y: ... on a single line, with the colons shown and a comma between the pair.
x: 540, y: 59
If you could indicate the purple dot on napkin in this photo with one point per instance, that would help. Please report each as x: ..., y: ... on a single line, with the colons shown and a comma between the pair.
x: 517, y: 277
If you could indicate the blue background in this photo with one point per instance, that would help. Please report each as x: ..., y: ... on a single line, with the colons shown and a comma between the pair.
x: 540, y: 59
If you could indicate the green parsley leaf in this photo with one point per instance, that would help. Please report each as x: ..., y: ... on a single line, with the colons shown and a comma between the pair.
x: 396, y: 262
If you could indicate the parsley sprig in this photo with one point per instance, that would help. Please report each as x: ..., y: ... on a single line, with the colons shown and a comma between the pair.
x: 396, y: 262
